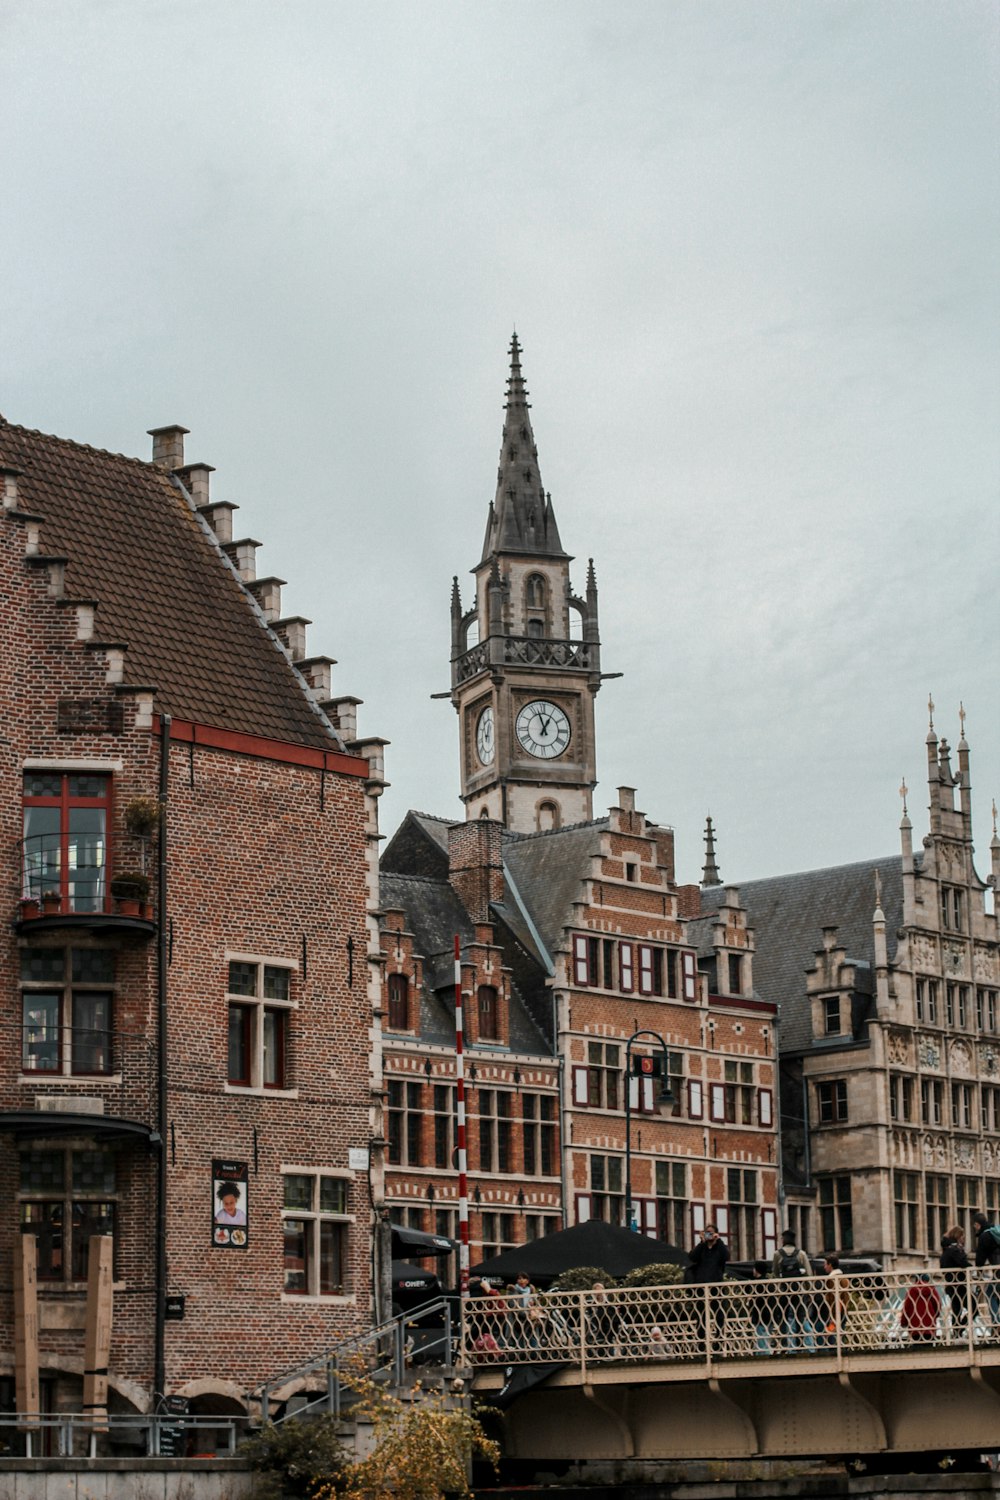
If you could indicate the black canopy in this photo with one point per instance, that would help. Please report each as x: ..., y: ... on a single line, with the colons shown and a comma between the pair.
x: 594, y: 1243
x: 415, y: 1242
x: 407, y: 1278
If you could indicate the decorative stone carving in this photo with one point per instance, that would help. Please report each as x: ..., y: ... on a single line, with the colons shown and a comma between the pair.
x: 961, y: 1057
x: 989, y: 1159
x: 965, y: 1154
x: 984, y: 964
x: 924, y: 952
x: 898, y: 1047
x: 929, y: 1053
x: 955, y: 959
x: 990, y: 1060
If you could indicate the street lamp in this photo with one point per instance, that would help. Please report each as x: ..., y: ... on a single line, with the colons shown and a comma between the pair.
x: 665, y: 1097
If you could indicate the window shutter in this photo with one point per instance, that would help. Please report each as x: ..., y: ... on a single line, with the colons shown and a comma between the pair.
x: 722, y: 1220
x: 581, y: 968
x: 647, y: 1094
x: 633, y: 1091
x: 765, y: 1107
x: 696, y: 1108
x: 690, y: 984
x: 717, y: 1102
x: 647, y: 1217
x: 581, y: 1086
x: 625, y: 973
x: 645, y: 969
x: 769, y: 1230
x: 697, y: 1218
x: 582, y: 1207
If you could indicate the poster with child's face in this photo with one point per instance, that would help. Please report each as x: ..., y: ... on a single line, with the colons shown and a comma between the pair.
x: 230, y: 1184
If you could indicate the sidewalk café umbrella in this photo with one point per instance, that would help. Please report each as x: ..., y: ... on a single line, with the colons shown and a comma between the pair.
x: 407, y: 1278
x: 616, y: 1251
x: 416, y: 1242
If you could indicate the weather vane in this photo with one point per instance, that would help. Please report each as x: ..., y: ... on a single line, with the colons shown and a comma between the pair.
x: 903, y: 789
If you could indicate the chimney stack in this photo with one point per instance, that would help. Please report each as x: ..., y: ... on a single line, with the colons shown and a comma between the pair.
x: 168, y: 447
x: 475, y: 865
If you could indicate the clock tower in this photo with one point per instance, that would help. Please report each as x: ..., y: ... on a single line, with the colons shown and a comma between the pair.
x: 526, y: 657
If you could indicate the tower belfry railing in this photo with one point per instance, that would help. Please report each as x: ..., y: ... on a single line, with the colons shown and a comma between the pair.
x: 528, y: 651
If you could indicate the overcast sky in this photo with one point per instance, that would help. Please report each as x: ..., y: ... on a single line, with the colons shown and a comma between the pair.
x: 751, y: 253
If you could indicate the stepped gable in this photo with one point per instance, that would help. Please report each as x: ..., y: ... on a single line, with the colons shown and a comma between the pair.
x: 788, y: 914
x: 418, y: 847
x: 135, y: 545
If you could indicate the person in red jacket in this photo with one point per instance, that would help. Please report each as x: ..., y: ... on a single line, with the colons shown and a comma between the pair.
x: 921, y: 1310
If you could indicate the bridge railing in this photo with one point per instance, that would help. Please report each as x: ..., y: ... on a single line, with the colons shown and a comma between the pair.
x: 737, y: 1320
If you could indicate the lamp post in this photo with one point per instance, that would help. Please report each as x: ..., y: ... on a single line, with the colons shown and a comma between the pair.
x: 665, y: 1097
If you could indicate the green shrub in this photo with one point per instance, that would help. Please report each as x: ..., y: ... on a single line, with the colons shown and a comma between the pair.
x: 581, y: 1279
x: 662, y: 1274
x: 296, y: 1458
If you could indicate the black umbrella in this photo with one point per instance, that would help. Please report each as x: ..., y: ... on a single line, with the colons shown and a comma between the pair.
x: 616, y: 1251
x: 418, y: 1243
x: 407, y: 1278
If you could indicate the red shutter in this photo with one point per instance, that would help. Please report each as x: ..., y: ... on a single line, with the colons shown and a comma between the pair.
x: 582, y: 1207
x: 625, y: 975
x: 645, y: 969
x: 696, y: 1106
x: 765, y: 1107
x: 645, y: 1214
x: 581, y: 967
x: 722, y: 1220
x: 717, y: 1102
x: 690, y: 984
x: 769, y: 1231
x: 581, y: 1087
x: 697, y: 1218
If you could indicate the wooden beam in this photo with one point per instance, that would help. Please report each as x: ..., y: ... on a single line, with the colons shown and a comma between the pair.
x: 26, y: 1328
x: 97, y: 1337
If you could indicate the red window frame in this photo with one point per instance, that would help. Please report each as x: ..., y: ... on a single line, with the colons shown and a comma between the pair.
x: 487, y: 1002
x: 64, y: 802
x: 696, y: 1099
x: 717, y: 1103
x: 765, y: 1107
x: 647, y: 980
x: 279, y: 1015
x: 626, y: 968
x: 246, y: 1032
x: 689, y: 968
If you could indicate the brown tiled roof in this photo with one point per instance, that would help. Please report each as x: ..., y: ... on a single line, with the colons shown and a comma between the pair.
x: 135, y: 546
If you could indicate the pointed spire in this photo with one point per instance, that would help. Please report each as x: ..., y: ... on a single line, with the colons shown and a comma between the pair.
x: 710, y: 874
x: 521, y: 518
x: 903, y: 789
x: 931, y: 736
x: 961, y: 716
x: 456, y: 597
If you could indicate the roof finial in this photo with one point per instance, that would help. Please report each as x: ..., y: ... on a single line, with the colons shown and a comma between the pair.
x: 878, y: 887
x: 994, y: 817
x: 710, y: 874
x: 903, y: 789
x: 961, y: 717
x: 930, y: 711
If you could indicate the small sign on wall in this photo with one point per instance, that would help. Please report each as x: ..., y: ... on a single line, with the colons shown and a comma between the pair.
x: 230, y: 1204
x: 357, y: 1158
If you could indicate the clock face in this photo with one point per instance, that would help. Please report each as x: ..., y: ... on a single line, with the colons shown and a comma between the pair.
x: 484, y: 736
x: 543, y: 729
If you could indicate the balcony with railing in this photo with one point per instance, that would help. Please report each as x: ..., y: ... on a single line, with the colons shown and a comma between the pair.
x: 75, y: 1074
x: 527, y: 651
x: 85, y: 880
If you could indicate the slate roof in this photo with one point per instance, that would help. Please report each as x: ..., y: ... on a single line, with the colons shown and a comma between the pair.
x: 162, y: 587
x: 788, y: 913
x: 547, y: 869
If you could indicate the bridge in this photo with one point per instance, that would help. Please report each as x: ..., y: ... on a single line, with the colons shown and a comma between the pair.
x: 818, y: 1366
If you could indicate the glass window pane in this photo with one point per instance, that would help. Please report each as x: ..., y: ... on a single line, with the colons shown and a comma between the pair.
x: 93, y: 966
x: 93, y: 1172
x: 43, y: 784
x: 42, y: 1171
x: 275, y: 983
x: 333, y: 1195
x: 331, y: 1259
x: 242, y: 979
x: 89, y: 1219
x: 239, y: 1043
x: 91, y: 1049
x: 298, y: 1190
x: 41, y: 850
x: 43, y: 965
x: 88, y: 786
x: 40, y: 1039
x: 274, y: 1048
x: 45, y: 1221
x: 295, y: 1253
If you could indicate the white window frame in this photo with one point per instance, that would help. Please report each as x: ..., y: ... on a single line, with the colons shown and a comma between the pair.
x: 316, y: 1216
x: 258, y: 1004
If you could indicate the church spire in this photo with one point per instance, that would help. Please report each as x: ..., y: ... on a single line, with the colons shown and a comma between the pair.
x: 710, y: 874
x: 521, y: 518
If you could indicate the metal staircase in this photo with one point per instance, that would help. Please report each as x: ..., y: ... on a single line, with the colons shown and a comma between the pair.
x: 415, y: 1345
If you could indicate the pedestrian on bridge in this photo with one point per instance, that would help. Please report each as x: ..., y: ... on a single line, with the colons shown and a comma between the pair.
x: 795, y: 1311
x: 955, y: 1263
x: 708, y: 1265
x: 988, y: 1254
x: 921, y: 1310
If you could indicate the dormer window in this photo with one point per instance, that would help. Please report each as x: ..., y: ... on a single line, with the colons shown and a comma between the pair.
x: 736, y: 975
x: 831, y: 1015
x: 488, y: 1013
x: 399, y: 1003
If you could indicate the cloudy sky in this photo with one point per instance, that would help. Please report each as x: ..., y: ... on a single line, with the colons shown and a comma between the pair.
x: 751, y: 253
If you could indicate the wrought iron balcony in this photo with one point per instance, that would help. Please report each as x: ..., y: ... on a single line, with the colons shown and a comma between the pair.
x: 62, y: 1079
x: 85, y: 880
x: 527, y: 651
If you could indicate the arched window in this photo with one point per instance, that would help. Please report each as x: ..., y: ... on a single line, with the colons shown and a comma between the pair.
x: 536, y: 628
x: 486, y: 1004
x: 547, y: 816
x: 399, y: 1002
x: 534, y: 591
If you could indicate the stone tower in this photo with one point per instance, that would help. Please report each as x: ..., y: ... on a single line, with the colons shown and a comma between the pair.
x: 526, y: 657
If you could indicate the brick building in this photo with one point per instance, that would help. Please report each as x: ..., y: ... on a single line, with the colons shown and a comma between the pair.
x: 190, y: 827
x: 574, y: 937
x: 887, y: 975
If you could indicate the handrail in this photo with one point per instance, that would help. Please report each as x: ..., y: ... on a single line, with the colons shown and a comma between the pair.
x: 381, y: 1351
x: 159, y: 1433
x: 722, y: 1322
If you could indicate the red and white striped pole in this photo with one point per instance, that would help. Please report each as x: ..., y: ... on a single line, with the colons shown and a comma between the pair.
x: 463, y: 1161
